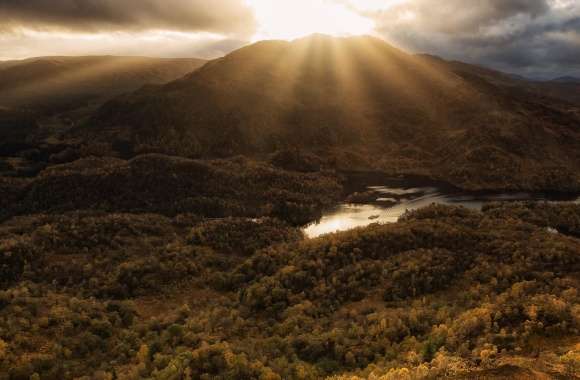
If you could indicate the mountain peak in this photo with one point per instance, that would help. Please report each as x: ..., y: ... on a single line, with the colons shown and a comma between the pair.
x: 322, y: 92
x: 326, y: 38
x: 317, y: 36
x: 314, y: 46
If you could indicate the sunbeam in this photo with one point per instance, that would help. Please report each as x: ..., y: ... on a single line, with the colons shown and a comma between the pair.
x: 298, y: 18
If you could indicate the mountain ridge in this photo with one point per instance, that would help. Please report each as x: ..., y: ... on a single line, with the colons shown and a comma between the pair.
x: 398, y: 112
x: 566, y: 79
x: 30, y: 82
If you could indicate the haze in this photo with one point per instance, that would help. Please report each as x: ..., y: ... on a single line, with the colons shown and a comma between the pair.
x: 535, y: 38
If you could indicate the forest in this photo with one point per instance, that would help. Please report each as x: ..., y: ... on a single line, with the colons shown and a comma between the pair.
x: 444, y: 293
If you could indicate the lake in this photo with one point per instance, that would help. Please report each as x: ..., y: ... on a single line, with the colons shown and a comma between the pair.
x: 389, y: 202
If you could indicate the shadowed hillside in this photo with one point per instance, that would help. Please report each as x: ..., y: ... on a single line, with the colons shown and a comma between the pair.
x: 359, y: 97
x: 568, y: 91
x: 171, y: 186
x: 41, y: 98
x: 53, y: 83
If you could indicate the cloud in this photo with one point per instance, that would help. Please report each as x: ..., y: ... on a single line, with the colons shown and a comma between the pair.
x: 214, y: 16
x: 539, y: 38
x: 155, y: 44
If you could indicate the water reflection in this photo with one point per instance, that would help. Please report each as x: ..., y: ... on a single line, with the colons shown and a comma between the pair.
x: 348, y: 216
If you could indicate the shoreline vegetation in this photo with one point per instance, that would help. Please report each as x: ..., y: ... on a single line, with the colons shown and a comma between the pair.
x: 296, y: 193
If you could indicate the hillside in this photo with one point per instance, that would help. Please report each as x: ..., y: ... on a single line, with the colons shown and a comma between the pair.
x: 363, y: 104
x: 445, y: 293
x: 208, y: 189
x: 566, y: 79
x: 568, y: 91
x: 41, y: 98
x: 55, y: 83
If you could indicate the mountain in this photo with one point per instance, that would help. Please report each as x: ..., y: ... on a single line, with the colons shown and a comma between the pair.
x: 363, y: 104
x: 41, y: 97
x: 56, y: 83
x: 564, y: 88
x: 566, y: 79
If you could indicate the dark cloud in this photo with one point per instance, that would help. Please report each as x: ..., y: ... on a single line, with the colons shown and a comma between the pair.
x: 539, y: 38
x: 216, y: 16
x: 460, y: 16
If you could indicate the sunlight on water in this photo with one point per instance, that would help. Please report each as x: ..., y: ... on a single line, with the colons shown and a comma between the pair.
x: 348, y: 216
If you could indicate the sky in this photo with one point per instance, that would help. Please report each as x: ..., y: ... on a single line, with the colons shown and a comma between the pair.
x: 535, y: 38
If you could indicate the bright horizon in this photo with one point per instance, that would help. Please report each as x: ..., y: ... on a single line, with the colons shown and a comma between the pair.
x: 538, y: 38
x: 278, y: 21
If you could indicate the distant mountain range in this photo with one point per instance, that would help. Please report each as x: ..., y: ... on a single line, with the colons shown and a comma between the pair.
x: 53, y: 84
x: 361, y: 104
x: 566, y: 79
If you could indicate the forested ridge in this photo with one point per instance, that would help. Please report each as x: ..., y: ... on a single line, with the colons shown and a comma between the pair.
x: 444, y: 293
x: 172, y: 185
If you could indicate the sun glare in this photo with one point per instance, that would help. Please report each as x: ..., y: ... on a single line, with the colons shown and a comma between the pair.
x: 298, y: 18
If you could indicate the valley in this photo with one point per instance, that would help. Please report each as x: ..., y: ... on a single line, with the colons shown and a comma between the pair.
x: 324, y: 208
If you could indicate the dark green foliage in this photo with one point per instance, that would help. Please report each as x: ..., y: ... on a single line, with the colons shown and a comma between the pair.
x: 423, y: 271
x: 170, y: 185
x: 296, y: 160
x: 5, y: 166
x: 10, y: 192
x: 564, y: 218
x: 233, y: 235
x: 444, y: 285
x: 15, y: 255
